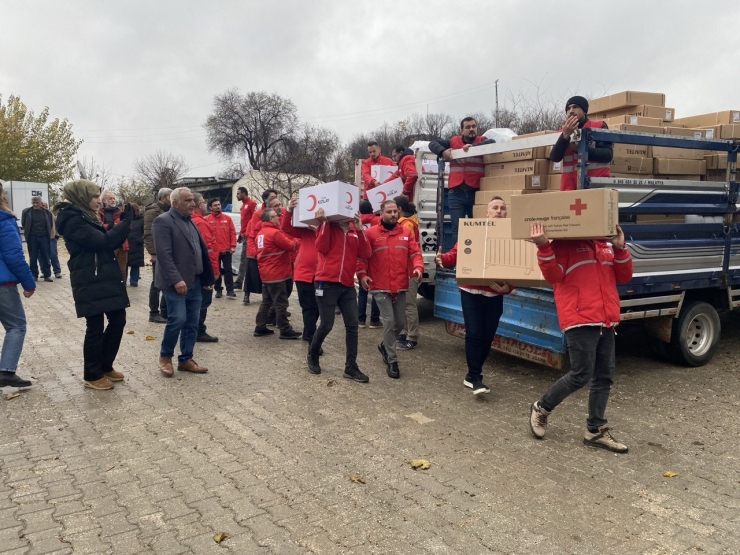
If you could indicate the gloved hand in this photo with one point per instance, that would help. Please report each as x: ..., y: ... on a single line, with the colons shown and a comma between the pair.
x: 128, y: 213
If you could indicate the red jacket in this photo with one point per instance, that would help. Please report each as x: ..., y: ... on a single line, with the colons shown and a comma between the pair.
x: 388, y: 264
x: 245, y: 215
x: 449, y: 259
x: 584, y: 276
x: 367, y: 163
x: 116, y: 219
x: 252, y: 228
x: 209, y: 238
x: 407, y: 172
x: 569, y: 177
x: 466, y: 170
x: 369, y: 220
x: 273, y: 253
x: 304, y: 265
x: 223, y: 228
x: 338, y: 253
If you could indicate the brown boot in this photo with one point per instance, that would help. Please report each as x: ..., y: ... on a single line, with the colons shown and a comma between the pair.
x: 101, y: 383
x: 192, y: 366
x: 114, y: 375
x: 165, y: 366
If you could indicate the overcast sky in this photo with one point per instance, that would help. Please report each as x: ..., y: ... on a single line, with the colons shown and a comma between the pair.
x: 136, y: 76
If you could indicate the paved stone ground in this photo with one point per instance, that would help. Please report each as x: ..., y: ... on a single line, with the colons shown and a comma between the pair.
x: 263, y: 451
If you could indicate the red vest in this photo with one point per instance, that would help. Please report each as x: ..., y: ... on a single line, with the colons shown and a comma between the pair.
x: 465, y: 170
x: 571, y: 169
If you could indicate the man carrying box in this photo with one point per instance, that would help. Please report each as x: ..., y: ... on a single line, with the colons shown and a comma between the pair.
x: 599, y: 154
x: 482, y: 307
x: 375, y: 158
x: 584, y: 276
x: 404, y: 159
x: 465, y: 173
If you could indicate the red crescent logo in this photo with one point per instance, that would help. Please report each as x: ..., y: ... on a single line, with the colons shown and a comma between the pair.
x: 350, y: 197
x: 381, y: 193
x: 314, y: 202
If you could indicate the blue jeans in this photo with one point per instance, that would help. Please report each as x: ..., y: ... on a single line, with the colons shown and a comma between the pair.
x: 39, y: 247
x: 183, y: 312
x: 13, y: 319
x: 362, y: 307
x: 591, y: 351
x: 481, y: 315
x: 54, y: 255
x: 460, y: 204
x: 134, y: 275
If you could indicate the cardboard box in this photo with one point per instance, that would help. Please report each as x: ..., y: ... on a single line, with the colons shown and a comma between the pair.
x: 555, y: 168
x: 631, y: 165
x: 482, y: 198
x: 659, y: 219
x: 386, y: 191
x: 683, y: 132
x: 381, y: 173
x: 631, y: 175
x: 340, y: 201
x: 510, y: 182
x: 625, y: 99
x: 622, y: 150
x: 294, y: 219
x: 714, y: 118
x: 486, y: 253
x: 680, y: 177
x: 535, y: 134
x: 553, y: 182
x: 643, y: 111
x: 640, y: 128
x: 716, y: 175
x: 669, y: 166
x: 722, y: 132
x: 524, y: 167
x: 633, y: 120
x: 516, y: 155
x: 677, y: 153
x: 716, y: 161
x: 581, y: 214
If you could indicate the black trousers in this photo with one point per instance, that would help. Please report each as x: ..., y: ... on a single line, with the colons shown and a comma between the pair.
x: 101, y: 346
x: 332, y: 295
x: 309, y: 308
x: 157, y: 304
x: 227, y: 275
x: 274, y: 294
x: 205, y: 302
x: 39, y: 253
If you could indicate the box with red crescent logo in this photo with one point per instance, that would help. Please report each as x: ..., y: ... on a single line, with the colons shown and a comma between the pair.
x: 386, y: 191
x: 340, y: 201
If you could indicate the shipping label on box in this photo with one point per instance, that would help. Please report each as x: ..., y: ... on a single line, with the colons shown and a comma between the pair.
x: 509, y: 182
x: 486, y: 253
x: 722, y: 132
x: 524, y: 167
x: 581, y: 214
x: 631, y: 165
x: 678, y: 153
x: 643, y: 111
x: 668, y: 166
x: 386, y: 191
x: 625, y: 99
x: 381, y: 173
x: 633, y: 120
x: 683, y: 132
x: 556, y: 167
x: 631, y: 151
x: 516, y: 155
x: 715, y: 118
x: 339, y: 200
x: 716, y: 175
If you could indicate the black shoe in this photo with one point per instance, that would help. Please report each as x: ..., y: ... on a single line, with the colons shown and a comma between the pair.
x: 313, y: 364
x: 205, y: 338
x: 393, y: 371
x: 219, y: 294
x: 59, y: 276
x: 231, y: 295
x: 130, y: 285
x: 260, y: 331
x: 157, y: 319
x: 353, y: 373
x: 238, y: 285
x: 10, y: 379
x: 290, y: 334
x: 288, y: 314
x: 383, y: 352
x: 307, y: 340
x: 375, y: 324
x: 272, y: 323
x: 48, y: 278
x: 246, y: 299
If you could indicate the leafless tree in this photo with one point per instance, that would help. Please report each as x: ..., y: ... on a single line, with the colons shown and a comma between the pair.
x: 160, y: 169
x: 99, y: 173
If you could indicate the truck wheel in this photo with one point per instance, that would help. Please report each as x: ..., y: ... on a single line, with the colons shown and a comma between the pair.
x: 426, y: 290
x: 695, y: 334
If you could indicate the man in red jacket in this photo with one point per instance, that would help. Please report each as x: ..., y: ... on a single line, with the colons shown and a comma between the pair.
x: 246, y: 210
x: 339, y: 245
x: 375, y: 158
x: 385, y: 273
x: 223, y: 228
x: 209, y: 238
x: 369, y: 219
x: 252, y: 283
x: 406, y: 161
x: 584, y: 276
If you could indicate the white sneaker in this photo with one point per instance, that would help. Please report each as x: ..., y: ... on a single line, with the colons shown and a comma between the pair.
x: 604, y: 440
x: 538, y: 420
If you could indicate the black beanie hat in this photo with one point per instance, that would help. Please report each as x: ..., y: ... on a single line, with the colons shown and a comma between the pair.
x: 579, y: 101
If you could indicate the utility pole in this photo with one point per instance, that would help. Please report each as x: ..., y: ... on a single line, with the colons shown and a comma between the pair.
x: 496, y: 83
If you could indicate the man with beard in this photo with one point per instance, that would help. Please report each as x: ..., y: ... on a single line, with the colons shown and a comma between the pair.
x: 223, y: 229
x: 375, y: 158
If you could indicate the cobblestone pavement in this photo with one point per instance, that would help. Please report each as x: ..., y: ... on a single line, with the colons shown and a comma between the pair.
x: 263, y: 451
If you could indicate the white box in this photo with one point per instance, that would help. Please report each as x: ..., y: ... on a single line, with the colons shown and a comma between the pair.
x: 386, y: 191
x: 381, y: 173
x: 339, y: 200
x: 294, y: 219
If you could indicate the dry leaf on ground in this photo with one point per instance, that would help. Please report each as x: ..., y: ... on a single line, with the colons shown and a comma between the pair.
x: 149, y: 338
x: 331, y: 383
x: 130, y: 332
x: 669, y: 474
x: 10, y: 396
x: 221, y: 536
x: 419, y: 463
x: 356, y: 478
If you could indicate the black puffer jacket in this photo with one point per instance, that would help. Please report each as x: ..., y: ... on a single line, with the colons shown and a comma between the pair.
x: 136, y: 242
x: 93, y: 270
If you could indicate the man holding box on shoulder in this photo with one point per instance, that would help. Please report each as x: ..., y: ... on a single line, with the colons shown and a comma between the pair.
x: 404, y: 158
x: 375, y: 158
x: 584, y: 276
x: 482, y: 307
x: 599, y: 154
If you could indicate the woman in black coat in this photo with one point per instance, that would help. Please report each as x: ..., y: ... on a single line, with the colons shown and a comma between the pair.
x: 95, y: 276
x: 136, y: 246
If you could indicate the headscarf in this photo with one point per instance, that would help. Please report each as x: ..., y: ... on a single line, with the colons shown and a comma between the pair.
x: 79, y: 193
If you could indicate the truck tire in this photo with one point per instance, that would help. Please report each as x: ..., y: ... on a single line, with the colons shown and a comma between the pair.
x: 695, y: 334
x: 426, y: 290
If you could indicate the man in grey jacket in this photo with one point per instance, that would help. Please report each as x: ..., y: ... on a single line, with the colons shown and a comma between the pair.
x: 157, y: 308
x: 38, y: 229
x: 183, y: 267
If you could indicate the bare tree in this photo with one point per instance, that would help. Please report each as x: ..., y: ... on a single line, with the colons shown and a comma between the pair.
x: 160, y: 169
x: 132, y: 189
x: 99, y: 173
